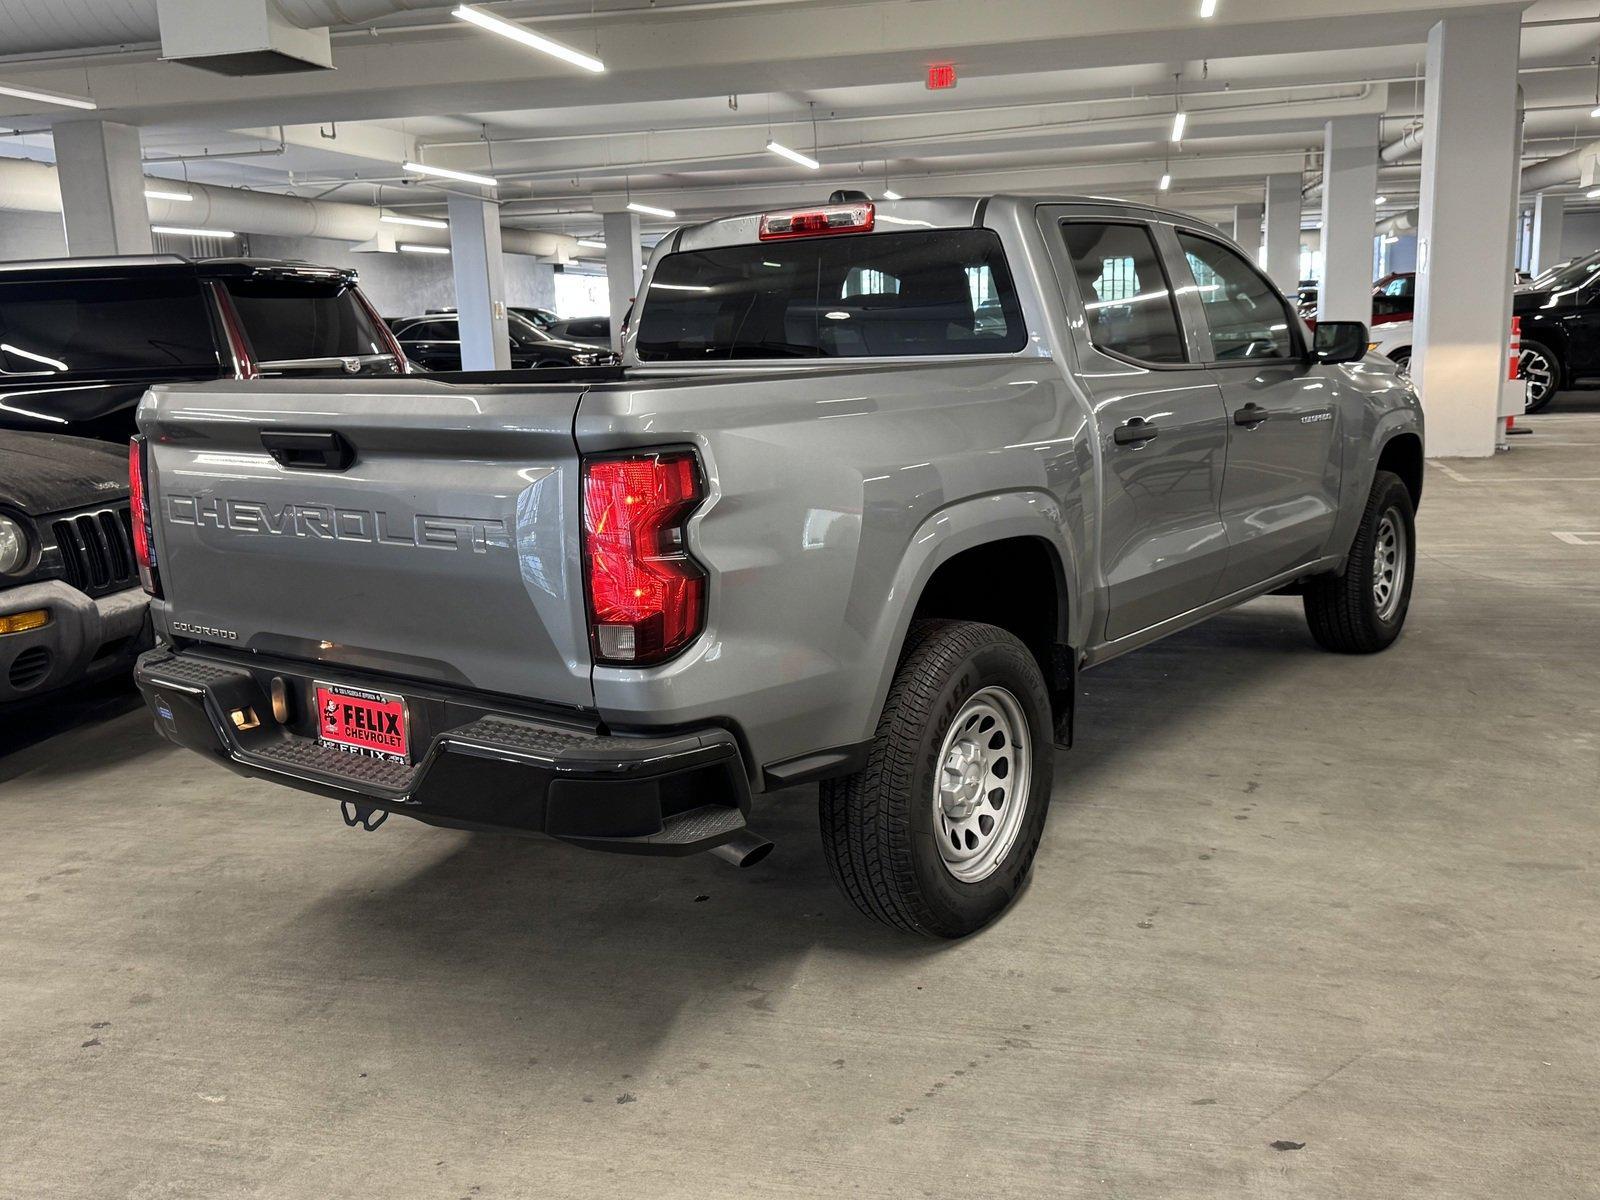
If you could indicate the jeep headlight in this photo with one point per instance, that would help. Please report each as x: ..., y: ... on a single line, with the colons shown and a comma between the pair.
x: 13, y: 546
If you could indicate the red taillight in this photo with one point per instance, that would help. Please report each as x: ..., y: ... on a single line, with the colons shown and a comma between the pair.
x: 139, y: 515
x: 816, y: 222
x: 646, y: 595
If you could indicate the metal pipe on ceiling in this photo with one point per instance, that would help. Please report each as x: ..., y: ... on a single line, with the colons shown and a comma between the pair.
x: 28, y: 186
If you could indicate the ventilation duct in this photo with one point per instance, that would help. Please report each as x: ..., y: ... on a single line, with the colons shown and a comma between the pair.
x: 65, y: 26
x: 240, y: 37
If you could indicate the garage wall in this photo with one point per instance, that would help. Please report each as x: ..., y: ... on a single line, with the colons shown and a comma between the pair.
x: 31, y: 235
x: 398, y: 284
x: 1580, y: 234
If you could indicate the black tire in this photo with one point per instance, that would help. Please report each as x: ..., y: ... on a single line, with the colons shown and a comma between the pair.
x: 1402, y: 362
x: 880, y: 826
x: 1539, y: 397
x: 1351, y: 613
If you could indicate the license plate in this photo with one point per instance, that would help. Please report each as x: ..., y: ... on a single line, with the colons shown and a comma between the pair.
x: 372, y: 724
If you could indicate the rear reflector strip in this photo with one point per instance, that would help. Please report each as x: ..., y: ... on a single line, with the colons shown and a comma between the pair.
x: 817, y: 222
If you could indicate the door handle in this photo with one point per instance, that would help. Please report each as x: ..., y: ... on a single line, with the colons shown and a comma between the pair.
x: 1250, y: 414
x: 309, y: 450
x: 1136, y: 431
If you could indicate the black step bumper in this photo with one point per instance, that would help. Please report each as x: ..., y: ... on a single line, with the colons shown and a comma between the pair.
x: 678, y: 793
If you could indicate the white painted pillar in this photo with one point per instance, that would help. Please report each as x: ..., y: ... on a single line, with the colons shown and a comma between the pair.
x: 479, y: 269
x: 1247, y: 228
x: 624, y: 267
x: 1349, y: 193
x: 1549, y: 215
x: 102, y: 188
x: 1282, y: 255
x: 1467, y: 237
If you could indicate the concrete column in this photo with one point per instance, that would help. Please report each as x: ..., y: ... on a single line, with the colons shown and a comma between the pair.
x: 1282, y: 256
x: 1349, y: 192
x: 624, y: 266
x: 1466, y: 237
x: 1549, y: 215
x: 479, y: 269
x: 1247, y: 228
x: 102, y: 188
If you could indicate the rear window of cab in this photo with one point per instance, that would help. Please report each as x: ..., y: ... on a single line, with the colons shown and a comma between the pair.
x: 879, y: 295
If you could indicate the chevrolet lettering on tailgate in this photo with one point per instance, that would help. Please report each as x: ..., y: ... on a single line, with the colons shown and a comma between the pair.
x: 327, y: 523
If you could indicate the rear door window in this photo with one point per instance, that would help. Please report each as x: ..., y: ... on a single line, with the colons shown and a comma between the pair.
x: 928, y: 292
x: 287, y: 320
x: 94, y: 326
x: 1127, y: 299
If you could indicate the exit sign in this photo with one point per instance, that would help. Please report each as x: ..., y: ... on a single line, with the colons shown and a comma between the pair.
x: 941, y: 75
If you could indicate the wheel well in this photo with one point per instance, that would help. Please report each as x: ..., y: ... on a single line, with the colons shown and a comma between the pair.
x: 1019, y: 585
x: 1402, y: 455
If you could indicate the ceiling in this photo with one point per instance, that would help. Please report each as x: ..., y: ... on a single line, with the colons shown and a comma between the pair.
x: 1051, y: 96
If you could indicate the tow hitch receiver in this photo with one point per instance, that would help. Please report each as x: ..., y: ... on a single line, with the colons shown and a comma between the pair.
x: 362, y: 816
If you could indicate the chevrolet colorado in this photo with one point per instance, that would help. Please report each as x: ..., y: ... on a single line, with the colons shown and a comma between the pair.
x: 872, y: 485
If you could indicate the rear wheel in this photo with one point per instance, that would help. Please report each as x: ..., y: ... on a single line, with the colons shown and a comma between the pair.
x: 938, y: 831
x: 1363, y: 610
x: 1541, y: 371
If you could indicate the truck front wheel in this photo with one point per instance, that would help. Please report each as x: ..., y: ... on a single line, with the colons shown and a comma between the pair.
x: 1363, y: 610
x: 937, y: 833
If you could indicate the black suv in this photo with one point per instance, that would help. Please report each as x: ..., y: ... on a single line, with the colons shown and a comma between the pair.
x: 81, y: 339
x: 1560, y: 313
x: 433, y: 343
x: 71, y: 608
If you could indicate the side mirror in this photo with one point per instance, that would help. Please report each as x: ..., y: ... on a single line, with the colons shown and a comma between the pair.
x: 1339, y: 342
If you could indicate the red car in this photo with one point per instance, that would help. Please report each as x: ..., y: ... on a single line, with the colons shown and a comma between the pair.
x: 1394, y: 297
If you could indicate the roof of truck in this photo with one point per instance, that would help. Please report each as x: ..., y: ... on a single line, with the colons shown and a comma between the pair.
x: 907, y: 212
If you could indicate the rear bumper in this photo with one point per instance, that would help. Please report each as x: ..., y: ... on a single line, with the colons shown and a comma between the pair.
x: 85, y: 638
x: 673, y: 794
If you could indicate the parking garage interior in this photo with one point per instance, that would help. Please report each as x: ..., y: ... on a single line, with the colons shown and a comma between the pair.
x: 1299, y: 924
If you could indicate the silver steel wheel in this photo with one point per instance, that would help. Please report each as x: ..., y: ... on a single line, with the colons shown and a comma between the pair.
x: 1389, y: 551
x: 981, y: 793
x: 1539, y: 373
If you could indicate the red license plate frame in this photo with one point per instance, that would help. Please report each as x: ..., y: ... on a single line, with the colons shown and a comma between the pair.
x: 361, y: 722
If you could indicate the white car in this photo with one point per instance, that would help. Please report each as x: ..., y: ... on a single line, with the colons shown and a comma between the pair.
x: 1393, y: 341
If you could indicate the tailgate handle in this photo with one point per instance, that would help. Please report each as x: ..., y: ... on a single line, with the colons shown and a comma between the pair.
x: 309, y: 450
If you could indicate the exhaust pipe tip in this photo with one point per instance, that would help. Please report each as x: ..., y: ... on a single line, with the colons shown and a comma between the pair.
x: 743, y: 849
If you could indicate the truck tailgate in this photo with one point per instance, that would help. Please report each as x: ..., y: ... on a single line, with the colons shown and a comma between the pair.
x: 446, y: 550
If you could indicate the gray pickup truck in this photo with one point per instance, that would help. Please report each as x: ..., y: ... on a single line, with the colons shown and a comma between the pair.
x: 872, y: 485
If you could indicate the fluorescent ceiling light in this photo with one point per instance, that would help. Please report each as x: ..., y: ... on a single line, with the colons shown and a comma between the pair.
x: 650, y: 210
x: 1592, y: 195
x: 7, y: 89
x: 1165, y: 184
x: 795, y: 156
x: 682, y: 287
x: 591, y: 244
x: 1381, y: 200
x: 892, y: 195
x: 424, y: 222
x: 447, y: 173
x: 1391, y: 239
x: 1179, y: 120
x: 521, y: 33
x: 413, y: 248
x: 157, y: 194
x: 1595, y: 112
x: 186, y: 231
x: 1208, y: 9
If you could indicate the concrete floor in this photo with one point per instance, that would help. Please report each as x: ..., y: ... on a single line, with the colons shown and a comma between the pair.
x: 1283, y: 897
